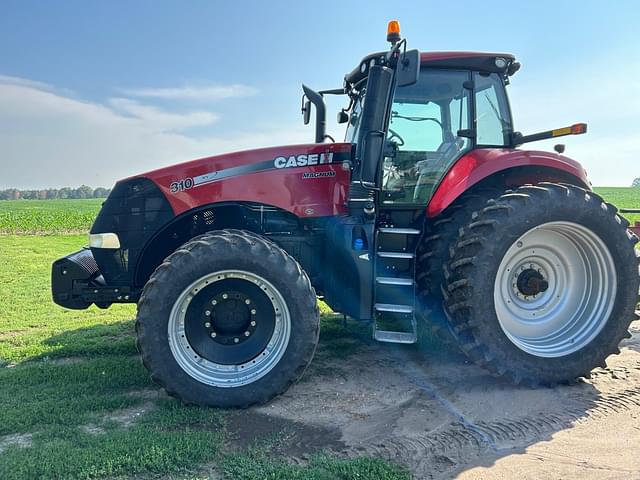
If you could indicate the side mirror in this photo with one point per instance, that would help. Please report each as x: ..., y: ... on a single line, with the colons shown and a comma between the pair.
x: 408, y: 68
x: 343, y: 117
x: 371, y: 136
x: 306, y: 112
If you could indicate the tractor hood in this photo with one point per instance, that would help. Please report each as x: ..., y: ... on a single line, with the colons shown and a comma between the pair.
x: 308, y: 180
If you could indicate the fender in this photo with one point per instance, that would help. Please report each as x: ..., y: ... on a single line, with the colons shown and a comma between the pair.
x: 480, y: 164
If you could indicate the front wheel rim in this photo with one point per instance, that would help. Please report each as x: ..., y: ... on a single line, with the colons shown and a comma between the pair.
x: 555, y: 289
x: 221, y: 374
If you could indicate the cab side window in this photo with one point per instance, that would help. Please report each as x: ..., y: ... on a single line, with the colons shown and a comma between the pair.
x: 493, y: 125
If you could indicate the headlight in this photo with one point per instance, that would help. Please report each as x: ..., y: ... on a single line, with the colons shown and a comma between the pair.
x: 104, y: 240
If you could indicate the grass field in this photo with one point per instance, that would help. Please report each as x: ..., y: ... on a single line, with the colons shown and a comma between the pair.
x: 75, y: 401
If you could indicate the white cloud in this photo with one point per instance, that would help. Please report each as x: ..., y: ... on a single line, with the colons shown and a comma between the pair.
x: 51, y: 140
x: 160, y: 119
x: 204, y: 93
x: 7, y: 80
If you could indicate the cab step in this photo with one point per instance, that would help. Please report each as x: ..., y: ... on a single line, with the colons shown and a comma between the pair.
x: 395, y: 281
x: 388, y: 336
x: 391, y: 308
x: 395, y: 255
x: 400, y: 231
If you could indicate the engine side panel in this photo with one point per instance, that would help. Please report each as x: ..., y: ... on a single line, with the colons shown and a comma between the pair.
x: 480, y: 164
x: 306, y: 180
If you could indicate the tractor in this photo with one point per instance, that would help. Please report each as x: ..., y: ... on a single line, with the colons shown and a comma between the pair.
x: 429, y: 215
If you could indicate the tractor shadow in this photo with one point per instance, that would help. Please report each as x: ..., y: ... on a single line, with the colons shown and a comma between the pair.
x: 109, y: 339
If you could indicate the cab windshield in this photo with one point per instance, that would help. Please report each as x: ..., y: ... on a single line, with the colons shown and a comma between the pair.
x: 430, y: 127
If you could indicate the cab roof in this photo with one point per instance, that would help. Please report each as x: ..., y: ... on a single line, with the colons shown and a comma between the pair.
x: 480, y: 61
x: 484, y: 61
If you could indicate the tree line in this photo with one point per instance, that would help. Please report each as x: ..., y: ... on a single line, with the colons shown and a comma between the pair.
x: 82, y: 191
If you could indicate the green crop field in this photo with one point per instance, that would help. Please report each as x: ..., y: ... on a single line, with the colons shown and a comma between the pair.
x: 47, y: 216
x: 75, y: 401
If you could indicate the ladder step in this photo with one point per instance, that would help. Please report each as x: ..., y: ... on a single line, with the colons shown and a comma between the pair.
x: 394, y: 281
x: 389, y: 307
x: 401, y: 231
x: 395, y: 255
x: 395, y: 337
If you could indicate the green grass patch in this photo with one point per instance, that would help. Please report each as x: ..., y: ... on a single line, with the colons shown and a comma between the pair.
x: 257, y: 465
x: 48, y: 216
x: 169, y: 439
x: 68, y: 378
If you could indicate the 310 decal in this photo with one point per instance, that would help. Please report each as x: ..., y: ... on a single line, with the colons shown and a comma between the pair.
x: 181, y: 185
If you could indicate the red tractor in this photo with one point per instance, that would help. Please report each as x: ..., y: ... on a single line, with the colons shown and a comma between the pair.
x: 427, y: 215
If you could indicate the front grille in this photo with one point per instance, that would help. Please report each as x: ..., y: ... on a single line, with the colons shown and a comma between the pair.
x: 84, y: 258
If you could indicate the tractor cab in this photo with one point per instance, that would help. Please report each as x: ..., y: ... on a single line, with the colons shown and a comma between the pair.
x: 452, y: 108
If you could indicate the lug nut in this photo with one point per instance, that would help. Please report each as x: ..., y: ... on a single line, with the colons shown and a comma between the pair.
x: 253, y: 323
x: 236, y: 340
x: 247, y: 301
x: 253, y: 311
x: 207, y: 325
x: 214, y: 334
x: 207, y: 313
x: 247, y: 333
x: 214, y: 302
x: 225, y: 296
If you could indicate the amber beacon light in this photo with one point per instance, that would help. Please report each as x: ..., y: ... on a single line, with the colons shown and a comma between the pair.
x: 393, y: 31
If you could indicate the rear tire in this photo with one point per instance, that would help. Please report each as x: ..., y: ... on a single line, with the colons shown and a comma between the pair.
x: 433, y: 253
x: 542, y: 284
x: 227, y: 320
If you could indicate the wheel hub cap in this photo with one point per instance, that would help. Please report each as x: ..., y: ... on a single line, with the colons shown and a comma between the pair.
x: 555, y: 289
x: 229, y: 328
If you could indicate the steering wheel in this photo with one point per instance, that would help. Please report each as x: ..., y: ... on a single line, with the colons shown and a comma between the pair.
x: 395, y: 134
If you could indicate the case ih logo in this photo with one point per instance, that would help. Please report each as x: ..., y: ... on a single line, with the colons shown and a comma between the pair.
x: 303, y: 160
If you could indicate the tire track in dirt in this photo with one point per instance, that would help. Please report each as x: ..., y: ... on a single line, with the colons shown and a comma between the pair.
x: 465, y: 438
x: 423, y: 452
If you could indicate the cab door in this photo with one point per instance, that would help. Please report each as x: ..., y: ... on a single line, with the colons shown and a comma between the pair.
x: 428, y: 130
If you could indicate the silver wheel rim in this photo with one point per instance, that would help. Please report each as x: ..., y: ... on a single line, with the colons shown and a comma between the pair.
x: 580, y: 294
x: 217, y: 374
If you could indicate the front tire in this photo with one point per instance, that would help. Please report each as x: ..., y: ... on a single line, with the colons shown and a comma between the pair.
x: 228, y: 320
x: 542, y: 284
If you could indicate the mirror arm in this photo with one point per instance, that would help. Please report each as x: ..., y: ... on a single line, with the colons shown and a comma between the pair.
x: 321, y: 110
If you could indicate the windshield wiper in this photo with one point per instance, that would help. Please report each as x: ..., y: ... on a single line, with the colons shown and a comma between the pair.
x: 506, y: 126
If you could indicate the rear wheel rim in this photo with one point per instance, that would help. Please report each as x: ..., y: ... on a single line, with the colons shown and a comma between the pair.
x: 555, y: 289
x: 190, y: 356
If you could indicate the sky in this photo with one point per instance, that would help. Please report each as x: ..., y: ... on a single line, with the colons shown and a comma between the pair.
x: 91, y: 92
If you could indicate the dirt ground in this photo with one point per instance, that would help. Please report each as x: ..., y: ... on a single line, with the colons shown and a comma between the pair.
x: 443, y: 417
